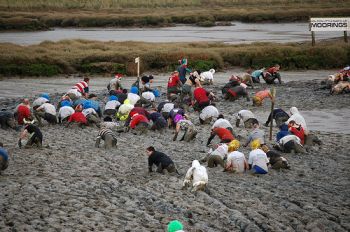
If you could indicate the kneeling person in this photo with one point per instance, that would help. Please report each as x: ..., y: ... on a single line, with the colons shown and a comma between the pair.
x: 161, y: 160
x: 108, y: 136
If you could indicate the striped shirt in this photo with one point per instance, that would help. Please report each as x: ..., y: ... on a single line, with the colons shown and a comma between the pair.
x: 104, y: 132
x: 80, y: 86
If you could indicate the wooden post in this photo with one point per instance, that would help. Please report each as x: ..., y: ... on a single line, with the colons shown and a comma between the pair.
x: 137, y: 60
x: 313, y: 38
x: 273, y: 93
x: 345, y: 36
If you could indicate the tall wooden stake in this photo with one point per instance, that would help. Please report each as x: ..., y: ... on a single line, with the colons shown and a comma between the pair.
x: 313, y: 38
x: 345, y: 36
x: 273, y: 93
x: 137, y: 60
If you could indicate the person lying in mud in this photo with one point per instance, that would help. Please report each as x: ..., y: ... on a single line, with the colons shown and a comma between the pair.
x: 92, y: 102
x: 22, y: 111
x: 275, y: 159
x: 236, y: 92
x: 192, y: 81
x: 208, y: 114
x: 78, y: 118
x: 139, y: 124
x: 185, y: 125
x: 223, y: 123
x: 224, y: 135
x: 4, y: 158
x: 46, y: 111
x: 159, y: 123
x: 279, y: 115
x: 160, y: 160
x: 174, y: 85
x: 207, y: 78
x: 7, y: 120
x: 260, y: 96
x: 272, y: 74
x: 236, y: 161
x: 341, y: 87
x: 257, y: 74
x: 198, y: 176
x: 32, y: 133
x: 247, y: 117
x: 109, y: 138
x: 257, y: 160
x: 256, y: 134
x: 201, y: 98
x: 216, y: 155
x: 284, y: 130
x: 290, y: 144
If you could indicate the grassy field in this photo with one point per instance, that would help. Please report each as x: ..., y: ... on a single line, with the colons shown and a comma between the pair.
x: 72, y: 56
x: 43, y: 14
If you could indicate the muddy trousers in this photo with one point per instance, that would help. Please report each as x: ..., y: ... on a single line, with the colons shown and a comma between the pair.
x: 215, y: 160
x: 109, y: 142
x: 291, y: 145
x: 190, y: 133
x: 170, y: 168
x: 3, y: 163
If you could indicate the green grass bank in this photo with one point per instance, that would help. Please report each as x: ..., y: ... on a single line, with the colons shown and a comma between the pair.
x: 92, y: 57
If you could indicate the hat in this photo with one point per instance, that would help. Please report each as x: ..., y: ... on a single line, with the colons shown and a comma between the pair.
x: 45, y: 95
x: 233, y: 145
x: 113, y: 98
x: 66, y: 103
x: 255, y: 144
x: 257, y: 101
x: 134, y: 90
x: 174, y: 226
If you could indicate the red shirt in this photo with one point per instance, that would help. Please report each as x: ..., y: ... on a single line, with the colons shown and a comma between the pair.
x: 137, y: 119
x: 173, y: 81
x: 78, y: 117
x: 22, y: 112
x: 223, y: 133
x: 299, y: 133
x: 138, y: 110
x: 200, y: 95
x: 80, y: 86
x: 272, y: 70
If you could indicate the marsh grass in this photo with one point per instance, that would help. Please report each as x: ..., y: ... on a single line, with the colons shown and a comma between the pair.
x: 72, y: 56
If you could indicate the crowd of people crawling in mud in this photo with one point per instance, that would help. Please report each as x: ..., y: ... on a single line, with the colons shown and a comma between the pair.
x: 135, y: 111
x: 339, y: 82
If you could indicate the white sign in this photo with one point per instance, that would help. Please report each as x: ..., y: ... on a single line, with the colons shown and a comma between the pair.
x: 329, y: 24
x: 137, y: 59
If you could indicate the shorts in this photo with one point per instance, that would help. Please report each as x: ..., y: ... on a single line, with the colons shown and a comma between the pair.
x: 258, y: 170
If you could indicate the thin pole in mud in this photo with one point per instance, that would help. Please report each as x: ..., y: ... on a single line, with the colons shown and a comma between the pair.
x: 273, y: 93
x: 313, y: 38
x: 137, y: 60
x: 345, y: 36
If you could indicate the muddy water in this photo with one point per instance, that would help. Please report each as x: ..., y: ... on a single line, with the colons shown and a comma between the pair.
x: 237, y: 33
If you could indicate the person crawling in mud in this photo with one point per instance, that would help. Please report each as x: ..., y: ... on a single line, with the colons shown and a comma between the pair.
x: 78, y: 117
x: 216, y: 155
x: 257, y: 159
x: 275, y: 159
x: 235, y: 92
x: 247, y: 117
x: 185, y: 125
x: 192, y: 81
x: 208, y: 114
x: 341, y: 87
x: 256, y: 134
x: 109, y: 138
x: 201, y: 98
x: 4, y: 158
x: 174, y: 85
x: 260, y: 96
x: 272, y: 74
x: 222, y: 122
x: 224, y: 134
x: 279, y: 115
x: 236, y: 161
x: 7, y: 120
x: 207, y: 77
x: 198, y: 176
x: 160, y: 160
x: 33, y: 133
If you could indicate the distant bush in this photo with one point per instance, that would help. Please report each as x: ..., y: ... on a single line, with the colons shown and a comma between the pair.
x: 206, y: 23
x: 29, y: 70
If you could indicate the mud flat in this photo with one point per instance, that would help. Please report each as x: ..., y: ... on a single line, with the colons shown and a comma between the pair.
x: 70, y: 185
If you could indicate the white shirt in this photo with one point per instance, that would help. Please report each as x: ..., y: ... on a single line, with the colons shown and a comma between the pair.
x: 288, y: 138
x: 236, y: 159
x: 207, y: 75
x: 75, y: 92
x: 258, y: 157
x: 149, y: 96
x: 48, y: 108
x: 168, y: 107
x: 221, y: 151
x: 39, y: 101
x: 89, y: 111
x: 208, y: 112
x: 65, y: 111
x: 244, y: 115
x: 133, y: 98
x: 112, y: 105
x: 109, y: 125
x: 197, y: 173
x: 222, y: 123
x: 125, y: 108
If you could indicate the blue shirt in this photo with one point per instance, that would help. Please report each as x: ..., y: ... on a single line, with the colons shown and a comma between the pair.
x: 4, y: 154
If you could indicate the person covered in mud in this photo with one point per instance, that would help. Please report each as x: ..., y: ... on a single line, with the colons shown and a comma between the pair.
x: 224, y: 135
x: 32, y: 133
x: 4, y: 158
x: 198, y: 176
x: 158, y: 121
x: 201, y: 98
x: 208, y: 114
x: 272, y: 74
x: 139, y: 123
x: 160, y: 160
x: 115, y: 85
x: 111, y: 106
x: 257, y: 160
x: 256, y: 134
x: 260, y: 96
x: 174, y: 86
x: 223, y: 123
x: 280, y: 116
x: 22, y: 111
x: 182, y: 69
x: 208, y: 77
x: 275, y: 159
x: 109, y: 138
x: 247, y: 79
x: 341, y: 87
x: 257, y: 74
x: 216, y: 155
x: 290, y: 144
x: 46, y: 111
x: 7, y: 120
x: 236, y: 161
x: 185, y: 125
x: 78, y: 117
x: 247, y: 117
x: 234, y: 93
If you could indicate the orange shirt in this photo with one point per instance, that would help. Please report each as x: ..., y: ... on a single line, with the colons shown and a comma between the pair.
x: 263, y: 94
